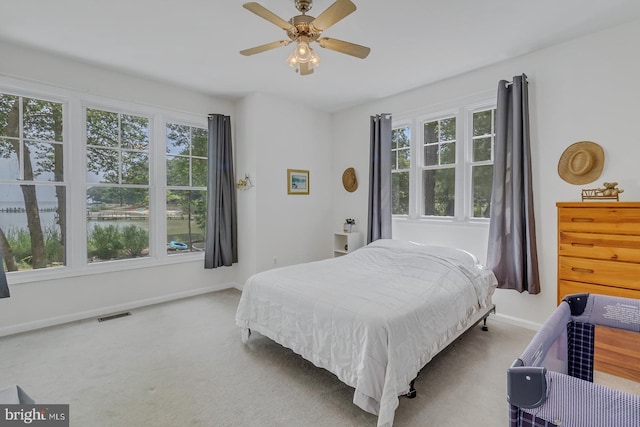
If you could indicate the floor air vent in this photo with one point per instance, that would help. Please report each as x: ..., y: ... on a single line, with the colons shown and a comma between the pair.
x: 114, y: 316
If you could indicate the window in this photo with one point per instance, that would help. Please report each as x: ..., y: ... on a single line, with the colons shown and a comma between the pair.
x: 400, y: 168
x: 118, y: 185
x: 439, y: 167
x: 131, y: 178
x: 482, y: 161
x: 186, y: 157
x: 32, y: 183
x: 451, y: 176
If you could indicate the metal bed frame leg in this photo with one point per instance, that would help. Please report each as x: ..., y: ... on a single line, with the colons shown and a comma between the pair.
x: 484, y: 321
x: 412, y: 390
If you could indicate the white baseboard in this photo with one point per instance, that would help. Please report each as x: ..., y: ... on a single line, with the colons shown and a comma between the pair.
x: 102, y: 311
x: 516, y: 321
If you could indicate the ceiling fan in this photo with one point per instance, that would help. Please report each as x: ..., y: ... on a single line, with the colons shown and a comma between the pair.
x: 304, y: 29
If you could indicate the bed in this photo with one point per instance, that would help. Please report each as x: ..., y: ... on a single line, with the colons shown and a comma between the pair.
x: 373, y: 317
x: 551, y: 383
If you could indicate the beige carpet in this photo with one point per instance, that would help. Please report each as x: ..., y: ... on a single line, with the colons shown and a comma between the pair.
x: 182, y: 363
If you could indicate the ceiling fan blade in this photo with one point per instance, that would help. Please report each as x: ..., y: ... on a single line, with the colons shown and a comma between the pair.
x: 263, y: 12
x: 264, y: 47
x: 305, y: 68
x: 333, y: 14
x: 344, y: 47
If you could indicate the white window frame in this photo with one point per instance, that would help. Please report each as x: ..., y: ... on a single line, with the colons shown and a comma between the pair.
x: 190, y: 187
x: 75, y: 179
x: 153, y: 206
x: 402, y: 124
x: 463, y: 111
x: 27, y: 92
x: 442, y: 114
x: 469, y: 111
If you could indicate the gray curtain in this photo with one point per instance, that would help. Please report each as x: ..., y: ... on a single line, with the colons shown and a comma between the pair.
x: 379, y: 225
x: 221, y: 244
x: 512, y: 253
x: 4, y: 286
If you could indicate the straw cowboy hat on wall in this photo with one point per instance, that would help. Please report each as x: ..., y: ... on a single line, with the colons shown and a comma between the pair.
x: 349, y: 180
x: 581, y: 162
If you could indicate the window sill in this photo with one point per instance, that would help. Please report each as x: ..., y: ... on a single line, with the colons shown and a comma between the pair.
x: 56, y: 273
x: 444, y: 221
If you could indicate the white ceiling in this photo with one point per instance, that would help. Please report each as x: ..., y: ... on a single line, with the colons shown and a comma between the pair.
x: 195, y: 43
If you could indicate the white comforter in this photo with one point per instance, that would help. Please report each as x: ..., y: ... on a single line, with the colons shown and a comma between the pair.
x: 374, y: 317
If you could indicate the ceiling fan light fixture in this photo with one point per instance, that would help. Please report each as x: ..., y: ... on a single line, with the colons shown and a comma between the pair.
x: 305, y: 29
x: 292, y: 60
x: 303, y: 52
x: 314, y: 61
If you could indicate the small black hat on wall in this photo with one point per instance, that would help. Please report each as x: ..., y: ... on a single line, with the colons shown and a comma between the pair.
x: 581, y: 162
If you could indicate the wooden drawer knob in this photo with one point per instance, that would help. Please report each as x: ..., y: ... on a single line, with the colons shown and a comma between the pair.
x: 582, y: 245
x: 582, y: 219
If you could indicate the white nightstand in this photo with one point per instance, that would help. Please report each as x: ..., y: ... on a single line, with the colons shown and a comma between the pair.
x: 343, y: 243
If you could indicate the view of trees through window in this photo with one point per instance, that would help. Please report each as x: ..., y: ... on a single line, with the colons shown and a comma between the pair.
x: 186, y: 154
x: 453, y: 147
x: 118, y: 185
x: 124, y: 207
x: 400, y: 169
x: 482, y: 161
x: 32, y: 188
x: 438, y: 173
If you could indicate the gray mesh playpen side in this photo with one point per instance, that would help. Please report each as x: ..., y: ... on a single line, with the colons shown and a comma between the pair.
x: 551, y: 384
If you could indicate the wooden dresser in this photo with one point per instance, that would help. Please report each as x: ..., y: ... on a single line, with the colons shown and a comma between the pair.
x: 599, y: 253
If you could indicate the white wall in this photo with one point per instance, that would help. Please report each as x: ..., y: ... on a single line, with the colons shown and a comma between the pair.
x: 246, y: 159
x: 586, y: 89
x: 37, y: 66
x: 49, y: 302
x: 283, y: 229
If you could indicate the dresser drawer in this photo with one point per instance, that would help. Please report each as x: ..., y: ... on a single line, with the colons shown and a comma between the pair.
x: 566, y: 287
x: 614, y: 247
x: 600, y: 220
x: 617, y: 351
x: 612, y: 273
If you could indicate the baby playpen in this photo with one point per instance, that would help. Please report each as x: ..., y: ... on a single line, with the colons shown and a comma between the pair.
x: 551, y: 383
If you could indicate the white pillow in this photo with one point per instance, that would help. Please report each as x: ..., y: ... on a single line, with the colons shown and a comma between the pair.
x: 455, y: 254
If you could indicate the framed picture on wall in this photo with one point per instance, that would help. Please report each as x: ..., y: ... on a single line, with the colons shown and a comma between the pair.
x: 297, y: 181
